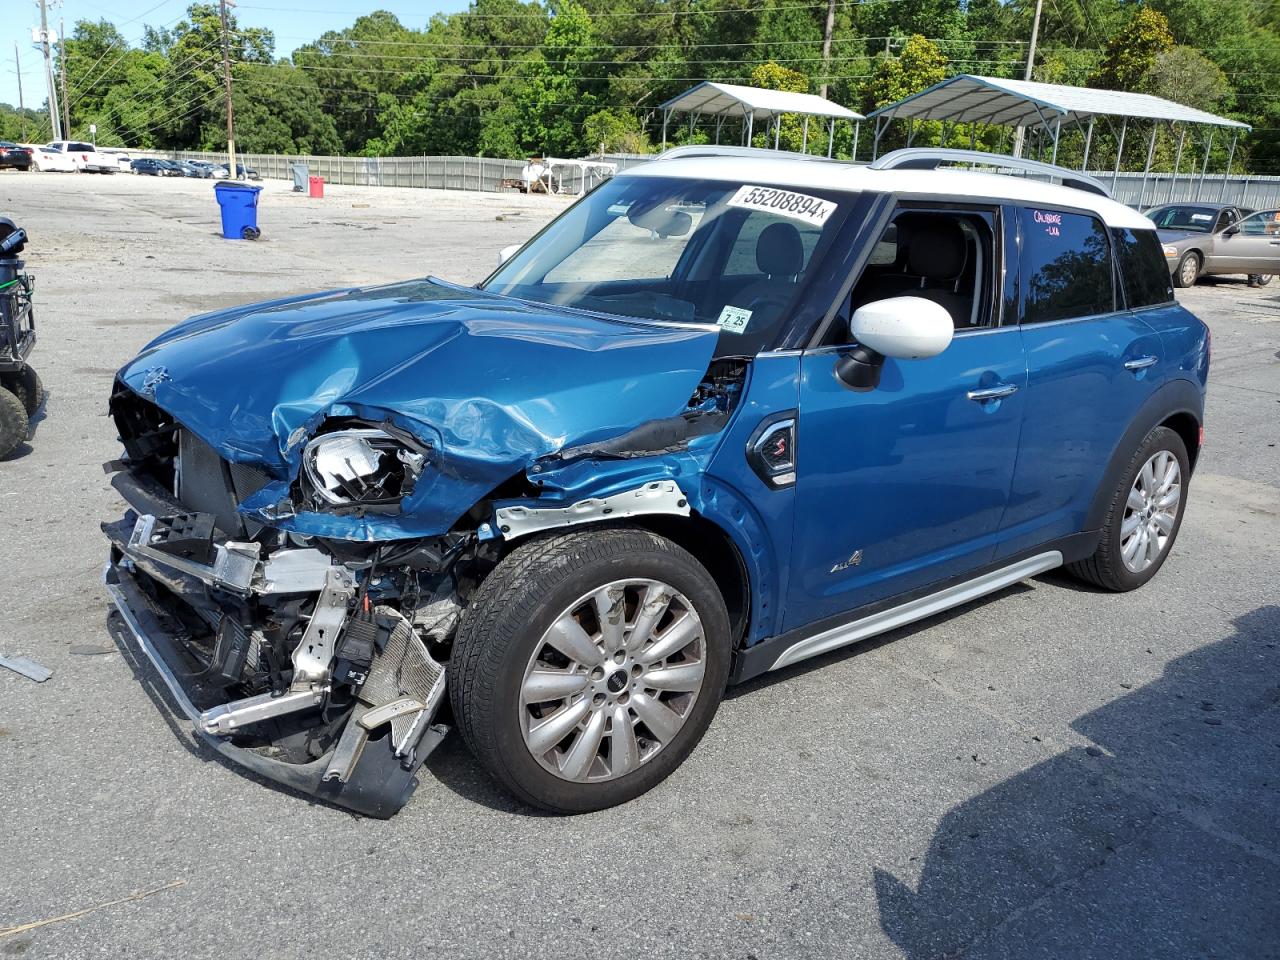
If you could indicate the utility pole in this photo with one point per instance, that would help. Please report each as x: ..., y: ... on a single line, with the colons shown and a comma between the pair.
x: 54, y: 119
x: 827, y: 31
x: 1021, y: 137
x: 22, y: 107
x: 62, y: 49
x: 226, y: 72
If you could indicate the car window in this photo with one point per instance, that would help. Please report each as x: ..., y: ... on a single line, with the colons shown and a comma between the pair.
x: 1143, y: 268
x: 947, y: 256
x: 742, y: 256
x: 1195, y: 219
x: 1265, y: 223
x: 729, y: 254
x: 83, y: 147
x: 624, y: 251
x: 1066, y: 266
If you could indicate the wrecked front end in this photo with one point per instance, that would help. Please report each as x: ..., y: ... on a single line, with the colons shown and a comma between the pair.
x: 296, y: 568
x: 318, y: 664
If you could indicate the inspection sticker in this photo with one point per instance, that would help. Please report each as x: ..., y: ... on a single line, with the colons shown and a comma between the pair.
x: 734, y: 319
x: 784, y: 203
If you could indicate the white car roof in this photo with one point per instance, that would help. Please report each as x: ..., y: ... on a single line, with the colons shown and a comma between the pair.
x: 797, y: 173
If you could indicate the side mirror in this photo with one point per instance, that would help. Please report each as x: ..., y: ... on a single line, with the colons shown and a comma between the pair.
x: 506, y: 253
x: 1231, y: 231
x: 906, y: 328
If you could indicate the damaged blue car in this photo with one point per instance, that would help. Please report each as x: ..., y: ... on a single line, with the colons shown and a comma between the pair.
x: 725, y: 413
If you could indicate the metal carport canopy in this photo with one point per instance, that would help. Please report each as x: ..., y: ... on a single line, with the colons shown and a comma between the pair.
x: 971, y: 99
x: 723, y: 100
x: 732, y: 100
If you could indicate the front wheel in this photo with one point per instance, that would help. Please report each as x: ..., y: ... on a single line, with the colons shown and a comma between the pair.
x: 1143, y: 516
x: 1188, y: 270
x: 589, y: 665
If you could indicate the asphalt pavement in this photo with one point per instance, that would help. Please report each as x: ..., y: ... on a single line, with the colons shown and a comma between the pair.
x: 1050, y: 772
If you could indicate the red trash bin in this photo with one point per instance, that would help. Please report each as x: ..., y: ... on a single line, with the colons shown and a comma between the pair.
x: 317, y: 186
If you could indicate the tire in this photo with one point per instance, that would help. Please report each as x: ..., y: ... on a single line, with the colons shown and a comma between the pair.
x: 26, y: 385
x: 1188, y: 270
x: 502, y: 644
x: 13, y: 422
x: 1109, y: 566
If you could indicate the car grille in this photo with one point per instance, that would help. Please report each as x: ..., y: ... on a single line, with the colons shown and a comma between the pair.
x: 210, y: 484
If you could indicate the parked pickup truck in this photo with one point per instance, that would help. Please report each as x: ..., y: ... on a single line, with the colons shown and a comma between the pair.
x: 85, y: 156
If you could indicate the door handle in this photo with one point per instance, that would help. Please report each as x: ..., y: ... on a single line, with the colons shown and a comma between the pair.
x: 998, y: 392
x: 1141, y: 363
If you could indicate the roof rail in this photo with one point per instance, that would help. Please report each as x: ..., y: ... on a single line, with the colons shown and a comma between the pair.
x: 930, y: 158
x: 726, y: 150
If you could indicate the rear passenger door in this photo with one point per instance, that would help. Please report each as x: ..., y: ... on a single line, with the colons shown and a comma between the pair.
x: 1091, y: 364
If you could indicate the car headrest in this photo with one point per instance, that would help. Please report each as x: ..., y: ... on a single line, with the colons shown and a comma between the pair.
x: 779, y: 252
x: 937, y: 250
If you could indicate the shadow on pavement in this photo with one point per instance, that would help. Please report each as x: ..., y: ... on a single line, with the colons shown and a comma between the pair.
x: 1160, y: 841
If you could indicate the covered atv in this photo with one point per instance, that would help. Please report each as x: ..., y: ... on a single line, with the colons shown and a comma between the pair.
x: 20, y: 389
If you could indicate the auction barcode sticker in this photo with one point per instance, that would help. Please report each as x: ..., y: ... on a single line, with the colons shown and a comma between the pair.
x: 784, y: 203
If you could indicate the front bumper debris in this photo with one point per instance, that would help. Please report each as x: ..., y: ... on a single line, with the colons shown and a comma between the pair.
x: 362, y: 770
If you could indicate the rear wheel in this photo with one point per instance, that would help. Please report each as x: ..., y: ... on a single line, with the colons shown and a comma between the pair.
x: 589, y: 665
x: 13, y: 422
x: 26, y: 385
x: 1188, y: 270
x: 1143, y: 517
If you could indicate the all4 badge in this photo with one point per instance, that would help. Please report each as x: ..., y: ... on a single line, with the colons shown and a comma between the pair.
x: 854, y: 559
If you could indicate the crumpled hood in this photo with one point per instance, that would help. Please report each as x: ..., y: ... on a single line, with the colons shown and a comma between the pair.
x: 492, y: 383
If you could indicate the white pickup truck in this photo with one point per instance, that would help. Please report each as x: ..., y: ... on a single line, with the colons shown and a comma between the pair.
x: 85, y: 156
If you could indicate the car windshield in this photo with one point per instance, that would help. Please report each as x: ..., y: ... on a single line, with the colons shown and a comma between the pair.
x: 1184, y: 217
x: 732, y: 254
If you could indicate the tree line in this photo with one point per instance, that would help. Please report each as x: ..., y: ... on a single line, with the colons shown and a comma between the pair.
x: 506, y: 78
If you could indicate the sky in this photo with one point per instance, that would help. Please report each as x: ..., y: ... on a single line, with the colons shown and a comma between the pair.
x: 294, y: 22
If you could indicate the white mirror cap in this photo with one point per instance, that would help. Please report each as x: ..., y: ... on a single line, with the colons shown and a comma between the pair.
x: 907, y: 328
x: 506, y: 253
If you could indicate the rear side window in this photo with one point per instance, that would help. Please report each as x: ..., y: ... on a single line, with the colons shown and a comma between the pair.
x: 84, y: 147
x: 1143, y: 268
x: 1066, y: 265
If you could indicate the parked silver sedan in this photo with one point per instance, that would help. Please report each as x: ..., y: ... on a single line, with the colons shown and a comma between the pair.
x: 1216, y: 238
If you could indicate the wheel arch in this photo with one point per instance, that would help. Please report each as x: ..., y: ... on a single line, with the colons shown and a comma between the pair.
x: 712, y: 547
x: 1179, y: 405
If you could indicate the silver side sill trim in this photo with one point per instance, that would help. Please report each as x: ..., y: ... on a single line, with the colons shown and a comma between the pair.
x: 919, y: 609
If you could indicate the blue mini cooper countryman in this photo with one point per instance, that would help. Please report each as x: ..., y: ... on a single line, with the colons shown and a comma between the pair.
x: 731, y: 410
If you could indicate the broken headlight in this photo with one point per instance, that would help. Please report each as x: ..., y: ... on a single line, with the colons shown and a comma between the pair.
x: 359, y: 468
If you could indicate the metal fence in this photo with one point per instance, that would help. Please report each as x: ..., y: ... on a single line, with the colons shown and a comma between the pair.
x: 488, y: 174
x: 441, y: 173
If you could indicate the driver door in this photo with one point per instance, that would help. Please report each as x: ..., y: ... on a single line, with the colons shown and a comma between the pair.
x: 1252, y: 246
x: 904, y: 485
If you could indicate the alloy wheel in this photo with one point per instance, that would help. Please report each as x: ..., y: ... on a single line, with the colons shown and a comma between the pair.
x: 612, y: 680
x: 1151, y: 512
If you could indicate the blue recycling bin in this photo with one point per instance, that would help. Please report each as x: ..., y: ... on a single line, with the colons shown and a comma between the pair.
x: 239, y: 206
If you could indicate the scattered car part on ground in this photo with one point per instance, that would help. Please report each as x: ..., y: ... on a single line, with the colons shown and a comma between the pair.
x: 560, y: 510
x: 21, y: 391
x: 15, y: 156
x: 1203, y: 239
x: 26, y: 667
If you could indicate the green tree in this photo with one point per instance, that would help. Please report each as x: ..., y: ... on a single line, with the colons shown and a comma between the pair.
x: 559, y: 94
x: 1133, y: 51
x: 1187, y: 76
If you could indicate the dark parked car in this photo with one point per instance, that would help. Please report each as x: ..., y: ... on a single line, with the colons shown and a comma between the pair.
x: 12, y: 155
x: 242, y: 172
x: 148, y: 167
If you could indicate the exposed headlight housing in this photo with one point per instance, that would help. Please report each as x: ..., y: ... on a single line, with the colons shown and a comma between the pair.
x: 359, y: 468
x: 1170, y: 252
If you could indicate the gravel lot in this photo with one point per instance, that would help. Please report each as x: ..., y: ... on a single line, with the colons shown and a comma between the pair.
x: 1051, y: 772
